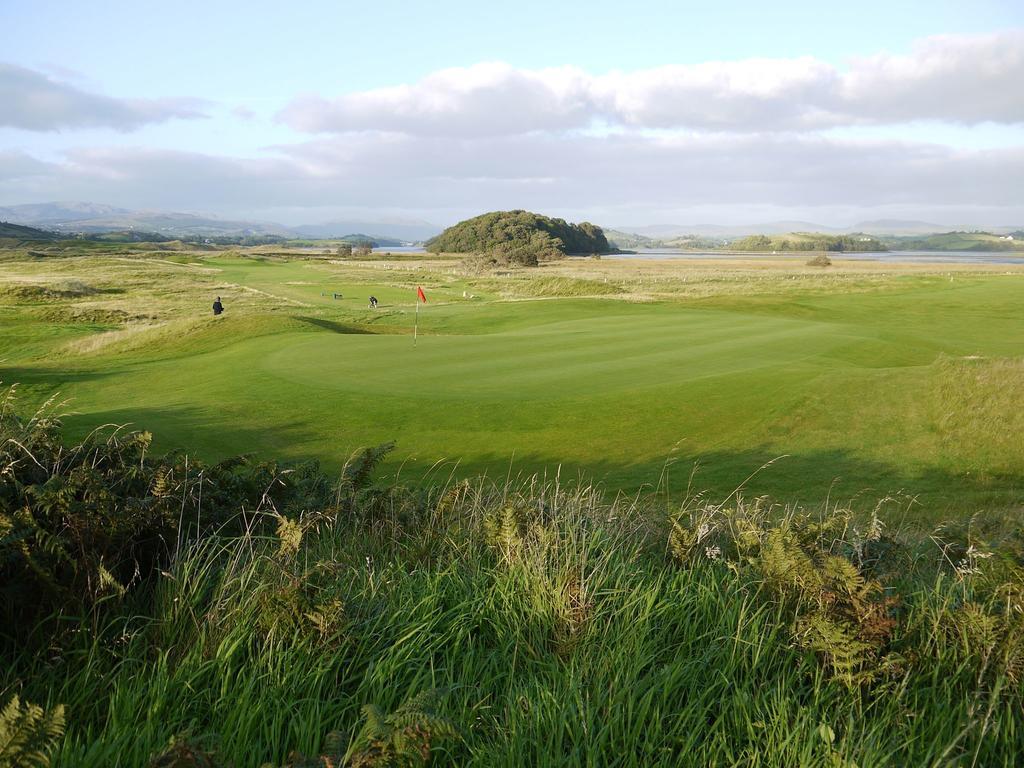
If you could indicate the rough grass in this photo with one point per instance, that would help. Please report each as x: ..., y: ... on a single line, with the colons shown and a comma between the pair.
x: 524, y: 284
x: 126, y: 338
x: 562, y: 630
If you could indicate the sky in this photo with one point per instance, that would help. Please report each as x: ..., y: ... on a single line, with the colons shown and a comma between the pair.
x: 626, y: 114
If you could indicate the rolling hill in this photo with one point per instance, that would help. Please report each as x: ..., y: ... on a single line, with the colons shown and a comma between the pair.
x: 93, y: 218
x: 21, y: 232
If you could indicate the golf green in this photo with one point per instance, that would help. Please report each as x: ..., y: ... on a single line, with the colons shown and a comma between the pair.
x: 856, y: 393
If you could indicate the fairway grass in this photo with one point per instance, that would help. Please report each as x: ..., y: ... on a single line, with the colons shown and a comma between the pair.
x: 858, y: 381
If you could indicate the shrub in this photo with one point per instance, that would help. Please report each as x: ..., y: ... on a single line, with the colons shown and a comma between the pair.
x: 402, y: 739
x: 816, y: 568
x: 821, y: 260
x: 82, y: 523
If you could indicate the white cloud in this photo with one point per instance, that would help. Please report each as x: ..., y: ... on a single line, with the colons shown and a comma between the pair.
x: 788, y: 135
x: 16, y: 166
x: 606, y: 178
x: 751, y: 95
x: 484, y: 99
x: 31, y: 101
x: 955, y: 78
x: 965, y: 79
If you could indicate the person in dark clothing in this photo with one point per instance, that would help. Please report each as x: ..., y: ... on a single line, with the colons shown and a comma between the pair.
x: 373, y: 302
x: 217, y: 307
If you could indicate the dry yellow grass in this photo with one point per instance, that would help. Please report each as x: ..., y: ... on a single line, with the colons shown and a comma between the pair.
x: 122, y: 337
x: 701, y: 278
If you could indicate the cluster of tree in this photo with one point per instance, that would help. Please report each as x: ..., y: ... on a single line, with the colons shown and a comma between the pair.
x: 808, y: 242
x: 237, y: 239
x: 127, y: 236
x: 520, y: 237
x: 690, y: 242
x: 361, y: 248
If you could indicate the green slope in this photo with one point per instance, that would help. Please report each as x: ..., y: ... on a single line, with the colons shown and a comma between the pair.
x: 20, y: 232
x: 874, y: 390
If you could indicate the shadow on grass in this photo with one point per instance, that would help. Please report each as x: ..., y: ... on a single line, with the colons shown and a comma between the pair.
x: 46, y: 377
x: 807, y: 478
x: 810, y: 479
x: 210, y: 434
x: 333, y: 326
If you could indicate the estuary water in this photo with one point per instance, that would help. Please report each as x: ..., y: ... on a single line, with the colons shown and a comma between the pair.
x: 940, y: 257
x: 400, y: 249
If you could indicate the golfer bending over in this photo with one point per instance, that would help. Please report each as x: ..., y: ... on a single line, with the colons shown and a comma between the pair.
x: 217, y: 307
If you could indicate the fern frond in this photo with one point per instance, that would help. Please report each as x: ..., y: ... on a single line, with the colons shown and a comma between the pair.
x: 28, y: 734
x: 357, y: 471
x: 375, y: 725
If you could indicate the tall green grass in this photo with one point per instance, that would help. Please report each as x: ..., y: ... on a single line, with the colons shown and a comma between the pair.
x: 557, y: 627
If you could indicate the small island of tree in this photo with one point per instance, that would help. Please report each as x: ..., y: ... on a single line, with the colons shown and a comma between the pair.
x: 520, y: 238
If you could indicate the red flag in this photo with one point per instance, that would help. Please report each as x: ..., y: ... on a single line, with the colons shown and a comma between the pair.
x: 420, y: 295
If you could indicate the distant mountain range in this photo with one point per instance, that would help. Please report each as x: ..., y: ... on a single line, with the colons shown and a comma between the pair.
x: 44, y: 213
x: 93, y: 218
x: 876, y: 227
x: 405, y: 230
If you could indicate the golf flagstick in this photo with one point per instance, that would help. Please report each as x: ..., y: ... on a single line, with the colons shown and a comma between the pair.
x: 420, y: 296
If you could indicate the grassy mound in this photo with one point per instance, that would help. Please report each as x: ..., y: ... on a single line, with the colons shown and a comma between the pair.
x: 547, y: 286
x: 20, y: 232
x: 474, y: 623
